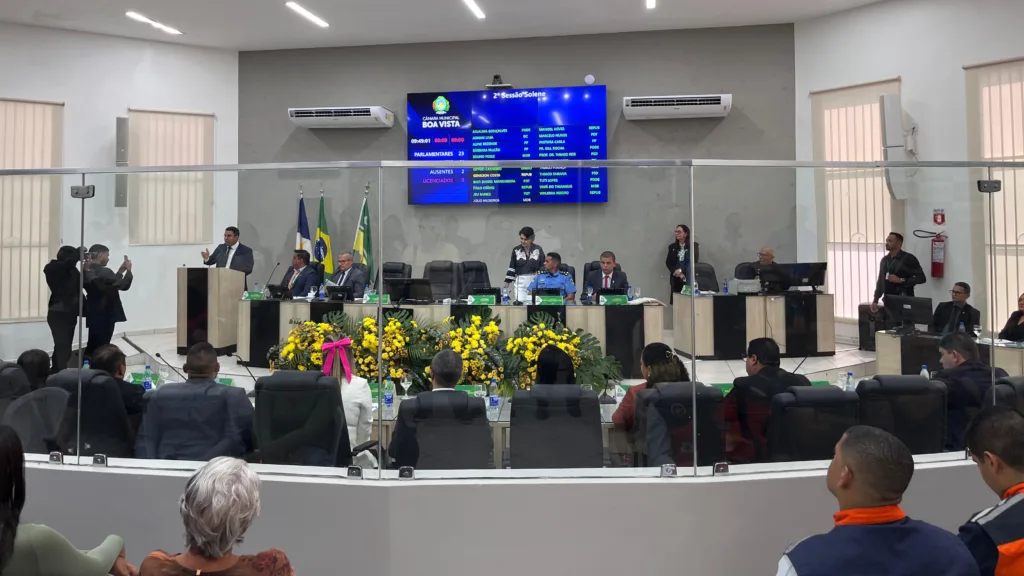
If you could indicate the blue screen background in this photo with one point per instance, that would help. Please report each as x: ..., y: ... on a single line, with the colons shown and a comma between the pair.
x: 567, y: 123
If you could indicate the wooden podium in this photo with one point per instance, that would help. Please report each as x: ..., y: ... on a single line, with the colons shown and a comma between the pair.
x: 208, y: 308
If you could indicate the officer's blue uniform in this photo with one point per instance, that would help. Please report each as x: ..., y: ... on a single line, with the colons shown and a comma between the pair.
x: 560, y: 280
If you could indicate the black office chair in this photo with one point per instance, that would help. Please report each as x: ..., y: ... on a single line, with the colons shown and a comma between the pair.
x: 911, y: 408
x: 744, y: 271
x: 319, y: 268
x: 596, y: 265
x: 452, y: 431
x: 396, y: 270
x: 806, y: 422
x: 472, y: 274
x: 704, y: 274
x: 444, y: 282
x: 36, y: 417
x: 570, y: 269
x: 104, y: 425
x: 663, y: 425
x: 555, y: 426
x: 299, y: 419
x: 14, y: 384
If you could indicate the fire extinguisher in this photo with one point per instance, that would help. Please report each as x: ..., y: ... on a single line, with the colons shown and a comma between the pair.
x: 938, y: 251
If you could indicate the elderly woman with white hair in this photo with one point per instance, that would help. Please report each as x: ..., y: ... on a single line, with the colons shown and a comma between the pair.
x: 220, y: 502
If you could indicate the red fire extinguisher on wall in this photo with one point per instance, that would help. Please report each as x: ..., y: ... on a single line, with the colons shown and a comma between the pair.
x: 939, y: 255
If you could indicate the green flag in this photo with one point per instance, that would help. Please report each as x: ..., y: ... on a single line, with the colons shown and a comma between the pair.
x: 322, y: 245
x: 363, y: 244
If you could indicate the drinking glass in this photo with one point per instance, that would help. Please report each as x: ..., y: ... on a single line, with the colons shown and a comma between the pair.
x: 478, y: 391
x: 638, y: 292
x: 590, y: 293
x: 587, y: 387
x: 977, y: 331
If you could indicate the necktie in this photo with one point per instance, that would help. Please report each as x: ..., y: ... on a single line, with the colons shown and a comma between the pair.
x: 343, y: 276
x: 292, y: 279
x: 607, y: 281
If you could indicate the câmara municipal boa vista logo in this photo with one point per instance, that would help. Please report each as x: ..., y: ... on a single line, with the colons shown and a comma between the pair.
x: 441, y: 105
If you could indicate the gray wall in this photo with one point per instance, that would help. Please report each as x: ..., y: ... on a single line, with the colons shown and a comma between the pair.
x: 737, y: 211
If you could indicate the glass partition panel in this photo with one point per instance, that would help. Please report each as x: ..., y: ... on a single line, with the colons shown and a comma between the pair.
x: 494, y: 284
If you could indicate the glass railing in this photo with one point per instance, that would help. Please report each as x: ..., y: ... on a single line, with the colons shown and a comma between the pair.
x: 689, y: 314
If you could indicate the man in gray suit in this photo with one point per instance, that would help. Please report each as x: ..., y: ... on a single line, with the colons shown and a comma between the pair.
x: 348, y: 276
x: 231, y: 254
x: 607, y: 276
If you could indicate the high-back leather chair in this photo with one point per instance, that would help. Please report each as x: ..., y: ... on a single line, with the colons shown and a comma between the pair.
x: 1006, y: 392
x: 14, y: 384
x: 472, y: 274
x: 36, y: 417
x: 563, y: 267
x: 444, y: 282
x: 451, y: 431
x: 744, y: 271
x: 299, y: 419
x: 704, y: 274
x: 663, y: 425
x: 596, y: 265
x: 806, y: 422
x: 911, y: 408
x: 103, y: 420
x: 396, y: 270
x: 319, y: 268
x: 555, y: 426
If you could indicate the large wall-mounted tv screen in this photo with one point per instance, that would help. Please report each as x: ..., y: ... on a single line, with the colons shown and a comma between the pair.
x: 568, y: 123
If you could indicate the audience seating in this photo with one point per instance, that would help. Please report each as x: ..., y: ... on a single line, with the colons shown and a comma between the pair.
x: 472, y: 274
x: 555, y: 426
x: 704, y: 275
x: 912, y: 408
x: 1006, y: 392
x: 444, y: 282
x: 806, y: 422
x: 570, y: 269
x: 36, y: 417
x: 596, y: 265
x: 452, y: 430
x: 104, y: 424
x: 14, y: 384
x: 663, y: 425
x: 299, y: 419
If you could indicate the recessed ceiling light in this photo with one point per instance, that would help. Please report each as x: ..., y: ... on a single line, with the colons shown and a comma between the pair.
x: 307, y: 14
x: 140, y: 18
x: 475, y: 9
x: 651, y: 4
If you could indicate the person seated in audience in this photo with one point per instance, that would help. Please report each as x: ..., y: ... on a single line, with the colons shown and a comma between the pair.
x: 445, y: 373
x: 765, y: 257
x: 658, y: 363
x: 110, y: 359
x: 995, y: 536
x: 868, y: 475
x: 36, y: 365
x: 554, y: 366
x: 967, y: 378
x: 950, y: 315
x: 37, y: 550
x: 220, y: 503
x: 607, y: 277
x: 1014, y: 329
x: 747, y: 405
x: 196, y: 434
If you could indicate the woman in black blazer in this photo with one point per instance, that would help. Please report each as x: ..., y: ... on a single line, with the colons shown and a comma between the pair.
x: 1014, y: 329
x: 679, y: 259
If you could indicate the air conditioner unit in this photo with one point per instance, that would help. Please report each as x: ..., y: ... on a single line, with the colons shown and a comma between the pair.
x: 672, y: 107
x: 343, y: 117
x: 894, y: 146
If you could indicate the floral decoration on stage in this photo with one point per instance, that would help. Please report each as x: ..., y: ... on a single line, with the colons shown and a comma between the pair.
x: 303, y: 348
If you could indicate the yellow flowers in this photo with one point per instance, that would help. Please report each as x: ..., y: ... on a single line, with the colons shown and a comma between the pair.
x: 302, y: 349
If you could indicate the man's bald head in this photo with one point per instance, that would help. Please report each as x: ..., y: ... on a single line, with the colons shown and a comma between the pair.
x: 766, y: 256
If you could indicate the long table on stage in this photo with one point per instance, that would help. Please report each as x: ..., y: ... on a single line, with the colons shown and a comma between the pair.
x: 905, y: 354
x: 623, y: 331
x: 803, y: 324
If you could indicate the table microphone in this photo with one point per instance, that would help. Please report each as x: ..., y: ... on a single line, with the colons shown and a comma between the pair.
x: 239, y: 360
x: 168, y: 364
x: 272, y: 274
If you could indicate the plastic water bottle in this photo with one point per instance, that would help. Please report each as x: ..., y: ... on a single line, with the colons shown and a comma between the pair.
x: 725, y: 286
x: 961, y: 328
x: 85, y: 365
x: 630, y: 292
x: 925, y: 372
x: 256, y: 287
x: 504, y: 295
x: 323, y: 292
x: 389, y: 393
x: 851, y: 384
x: 492, y: 400
x: 147, y: 378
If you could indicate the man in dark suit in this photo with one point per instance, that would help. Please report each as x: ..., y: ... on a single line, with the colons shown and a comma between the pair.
x: 112, y: 360
x: 607, y: 276
x: 967, y: 379
x: 103, y: 289
x: 949, y: 315
x: 231, y: 254
x: 348, y: 276
x: 301, y: 276
x: 747, y: 405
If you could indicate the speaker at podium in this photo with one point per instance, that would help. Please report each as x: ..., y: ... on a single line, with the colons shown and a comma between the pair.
x: 208, y: 308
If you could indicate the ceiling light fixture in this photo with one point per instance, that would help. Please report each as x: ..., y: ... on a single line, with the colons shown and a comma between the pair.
x: 140, y: 18
x: 651, y: 4
x: 307, y: 14
x: 475, y: 9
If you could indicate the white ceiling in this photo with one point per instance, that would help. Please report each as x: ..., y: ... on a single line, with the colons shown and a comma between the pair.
x: 268, y: 24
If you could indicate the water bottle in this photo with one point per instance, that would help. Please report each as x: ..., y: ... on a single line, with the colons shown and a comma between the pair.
x: 630, y: 293
x: 492, y: 400
x: 961, y: 328
x: 504, y: 295
x: 85, y: 365
x: 256, y: 287
x: 725, y: 286
x: 323, y: 292
x: 389, y: 393
x: 851, y: 384
x: 147, y: 378
x: 925, y: 372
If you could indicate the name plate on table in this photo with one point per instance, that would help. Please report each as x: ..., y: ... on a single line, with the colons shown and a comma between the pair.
x: 382, y: 298
x: 548, y: 300
x: 613, y: 300
x: 481, y: 299
x: 252, y: 296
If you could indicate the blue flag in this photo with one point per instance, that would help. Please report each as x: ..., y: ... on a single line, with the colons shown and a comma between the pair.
x: 302, y: 238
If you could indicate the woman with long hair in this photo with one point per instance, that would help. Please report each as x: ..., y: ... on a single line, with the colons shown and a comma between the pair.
x: 64, y: 281
x: 658, y: 363
x: 682, y: 255
x: 554, y: 366
x: 33, y: 549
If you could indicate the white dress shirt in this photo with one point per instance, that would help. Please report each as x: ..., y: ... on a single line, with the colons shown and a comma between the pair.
x: 785, y: 567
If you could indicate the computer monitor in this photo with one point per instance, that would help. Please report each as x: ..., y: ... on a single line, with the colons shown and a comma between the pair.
x: 907, y: 311
x: 807, y: 274
x: 339, y: 292
x: 409, y: 290
x: 775, y: 278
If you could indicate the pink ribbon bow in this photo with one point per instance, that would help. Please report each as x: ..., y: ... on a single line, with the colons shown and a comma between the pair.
x: 332, y: 349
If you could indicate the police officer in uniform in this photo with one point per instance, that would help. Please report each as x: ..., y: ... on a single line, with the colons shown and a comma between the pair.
x: 552, y: 277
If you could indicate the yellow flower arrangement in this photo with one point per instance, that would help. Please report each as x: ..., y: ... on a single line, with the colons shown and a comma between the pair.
x: 475, y: 340
x: 393, y: 347
x: 530, y: 339
x: 303, y: 348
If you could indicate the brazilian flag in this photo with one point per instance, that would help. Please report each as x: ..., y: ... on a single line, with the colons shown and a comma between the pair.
x: 322, y: 246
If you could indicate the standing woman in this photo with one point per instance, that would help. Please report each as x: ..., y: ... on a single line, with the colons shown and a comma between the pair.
x: 680, y: 259
x: 527, y: 259
x: 64, y: 280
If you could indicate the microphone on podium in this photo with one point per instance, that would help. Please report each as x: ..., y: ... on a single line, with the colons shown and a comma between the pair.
x: 271, y: 274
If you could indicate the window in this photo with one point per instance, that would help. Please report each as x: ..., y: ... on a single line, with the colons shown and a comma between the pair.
x: 995, y: 131
x: 170, y: 207
x: 31, y: 137
x: 859, y: 211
